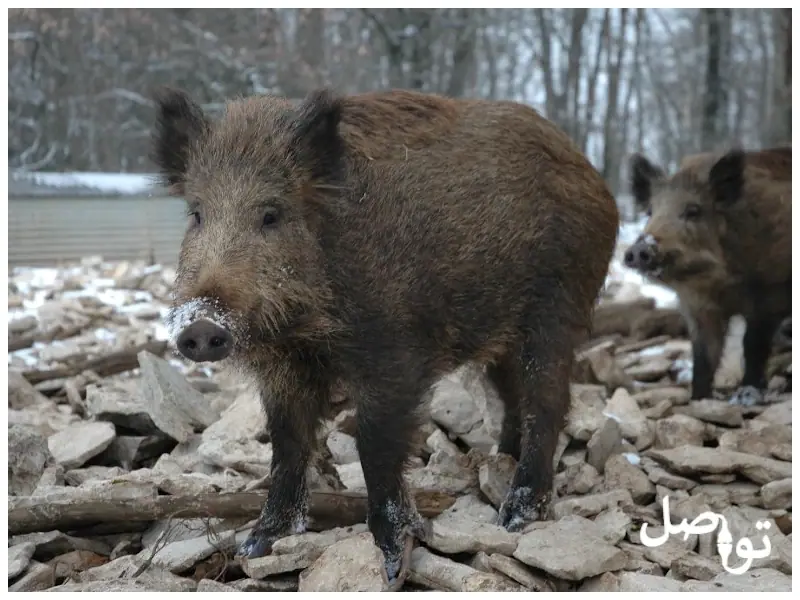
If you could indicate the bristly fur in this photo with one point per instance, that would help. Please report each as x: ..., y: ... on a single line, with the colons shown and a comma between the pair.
x: 722, y: 228
x: 376, y: 242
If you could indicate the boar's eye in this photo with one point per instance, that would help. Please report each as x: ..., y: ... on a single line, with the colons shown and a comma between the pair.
x: 195, y: 218
x: 270, y: 218
x: 692, y: 211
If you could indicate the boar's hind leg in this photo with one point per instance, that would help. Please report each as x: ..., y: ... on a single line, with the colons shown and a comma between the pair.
x: 756, y: 346
x: 541, y: 376
x: 386, y: 422
x: 292, y: 425
x: 509, y: 387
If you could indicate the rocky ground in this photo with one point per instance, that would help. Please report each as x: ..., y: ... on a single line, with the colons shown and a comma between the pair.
x: 131, y: 470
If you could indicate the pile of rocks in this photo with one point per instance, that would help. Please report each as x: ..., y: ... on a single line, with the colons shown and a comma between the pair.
x: 121, y: 457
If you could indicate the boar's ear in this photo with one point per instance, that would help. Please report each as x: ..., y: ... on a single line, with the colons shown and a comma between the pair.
x: 179, y: 122
x: 726, y: 178
x: 643, y: 174
x: 315, y: 142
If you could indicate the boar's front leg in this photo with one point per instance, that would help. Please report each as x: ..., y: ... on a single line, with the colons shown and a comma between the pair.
x: 292, y: 420
x: 707, y: 330
x: 756, y: 347
x: 386, y: 422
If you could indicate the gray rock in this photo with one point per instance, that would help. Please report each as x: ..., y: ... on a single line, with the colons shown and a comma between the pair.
x: 451, y: 537
x: 692, y: 460
x: 179, y: 556
x: 697, y: 567
x: 634, y: 425
x: 679, y: 430
x: 245, y: 455
x: 39, y: 577
x: 352, y: 476
x: 79, y: 442
x: 271, y: 584
x: 27, y: 456
x: 209, y: 585
x: 342, y: 447
x: 21, y: 394
x: 755, y: 580
x: 591, y: 505
x: 577, y: 479
x: 312, y: 544
x: 19, y: 557
x: 613, y: 524
x: 512, y: 568
x: 444, y: 473
x: 660, y: 476
x: 453, y: 407
x: 586, y: 411
x: 354, y: 564
x: 54, y: 543
x: 604, y: 443
x: 494, y: 477
x: 129, y: 585
x: 674, y: 395
x: 621, y: 474
x: 258, y: 568
x: 638, y: 582
x: 560, y: 549
x: 778, y: 414
x: 439, y: 442
x: 468, y: 508
x: 441, y: 573
x: 777, y: 494
x: 243, y: 419
x: 719, y: 412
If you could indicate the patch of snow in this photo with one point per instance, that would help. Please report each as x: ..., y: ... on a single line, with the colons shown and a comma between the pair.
x: 115, y: 183
x: 632, y: 458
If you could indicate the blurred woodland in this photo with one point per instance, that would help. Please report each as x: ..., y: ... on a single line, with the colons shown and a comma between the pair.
x: 669, y: 82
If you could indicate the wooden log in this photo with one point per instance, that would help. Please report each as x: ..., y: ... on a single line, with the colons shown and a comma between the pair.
x: 69, y: 511
x: 109, y: 364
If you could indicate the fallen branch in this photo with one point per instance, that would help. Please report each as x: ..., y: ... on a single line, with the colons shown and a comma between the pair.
x: 110, y: 364
x: 28, y: 514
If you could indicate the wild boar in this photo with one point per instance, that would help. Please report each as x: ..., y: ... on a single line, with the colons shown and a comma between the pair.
x: 719, y: 233
x: 375, y: 243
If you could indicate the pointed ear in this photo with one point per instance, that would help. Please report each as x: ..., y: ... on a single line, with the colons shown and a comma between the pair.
x: 179, y: 122
x: 315, y: 141
x: 643, y: 175
x: 726, y: 178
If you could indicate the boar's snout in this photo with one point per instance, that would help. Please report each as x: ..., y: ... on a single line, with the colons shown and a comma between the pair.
x: 641, y: 255
x: 205, y: 341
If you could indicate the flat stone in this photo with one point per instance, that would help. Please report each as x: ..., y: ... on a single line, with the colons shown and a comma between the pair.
x: 517, y: 571
x: 578, y: 479
x: 694, y: 566
x: 674, y: 395
x: 453, y: 407
x: 39, y: 577
x: 19, y: 557
x: 621, y: 474
x: 444, y: 473
x: 21, y: 394
x: 258, y: 568
x: 312, y: 544
x: 613, y: 524
x: 591, y: 505
x: 663, y: 477
x: 50, y: 544
x: 691, y: 460
x: 76, y: 561
x: 354, y: 564
x: 679, y: 430
x: 469, y: 509
x: 209, y: 585
x: 755, y: 580
x: 270, y: 584
x: 559, y: 549
x: 713, y: 411
x: 471, y: 537
x: 179, y: 556
x: 639, y: 582
x: 441, y: 573
x: 586, y: 413
x: 28, y: 455
x: 79, y: 442
x: 761, y: 441
x: 243, y: 419
x: 777, y: 494
x: 779, y: 414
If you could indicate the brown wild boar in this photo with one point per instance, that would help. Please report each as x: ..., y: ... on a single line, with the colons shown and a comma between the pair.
x: 375, y: 243
x: 719, y: 233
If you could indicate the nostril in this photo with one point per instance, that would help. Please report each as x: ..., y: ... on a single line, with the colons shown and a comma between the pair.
x: 190, y: 344
x: 644, y: 256
x: 217, y: 342
x: 628, y: 257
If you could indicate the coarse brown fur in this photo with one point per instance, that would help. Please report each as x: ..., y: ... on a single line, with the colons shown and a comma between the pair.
x: 376, y: 242
x: 719, y: 233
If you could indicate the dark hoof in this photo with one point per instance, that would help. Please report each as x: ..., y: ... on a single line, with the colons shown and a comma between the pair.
x: 522, y: 507
x: 256, y: 545
x: 747, y: 396
x: 397, y: 567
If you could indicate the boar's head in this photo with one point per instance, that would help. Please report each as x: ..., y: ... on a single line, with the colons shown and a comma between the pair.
x: 686, y: 221
x: 255, y: 183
